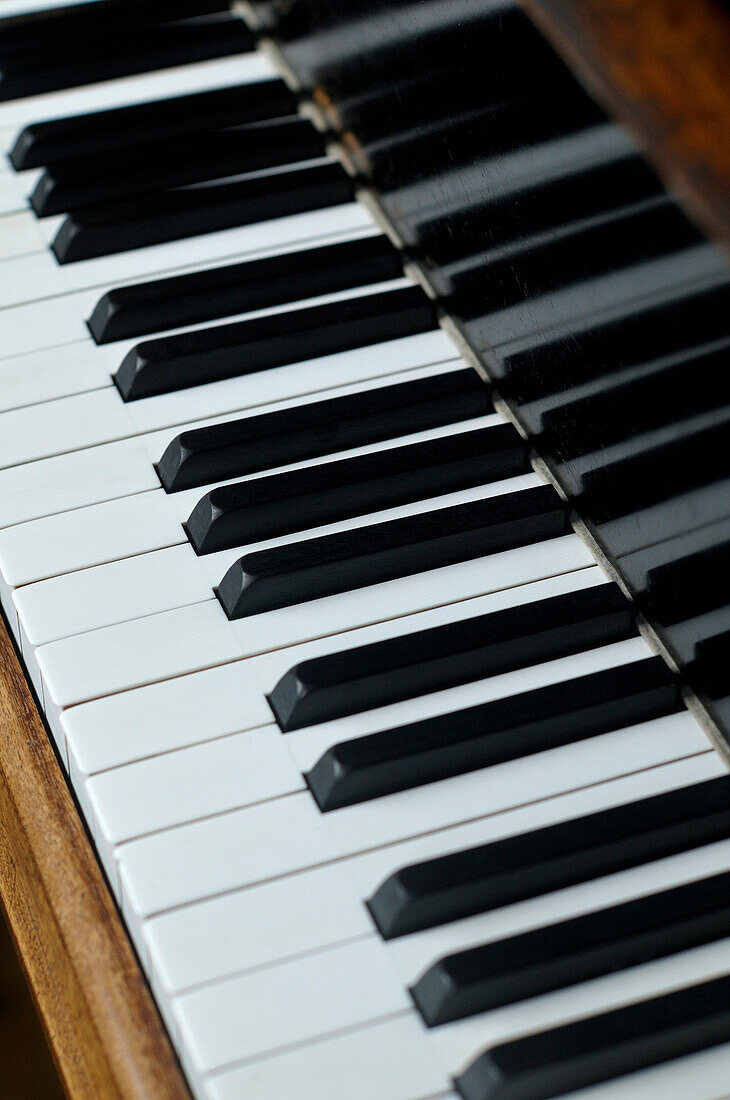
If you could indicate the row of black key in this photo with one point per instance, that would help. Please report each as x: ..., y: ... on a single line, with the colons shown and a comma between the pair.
x: 120, y: 41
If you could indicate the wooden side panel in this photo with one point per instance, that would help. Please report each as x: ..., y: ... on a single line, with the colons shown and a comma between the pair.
x: 663, y: 66
x: 102, y: 1025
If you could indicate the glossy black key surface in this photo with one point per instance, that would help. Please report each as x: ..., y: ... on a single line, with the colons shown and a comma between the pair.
x: 293, y: 336
x: 188, y: 212
x: 606, y: 351
x: 370, y: 676
x: 525, y: 866
x: 74, y: 184
x: 130, y: 311
x: 234, y: 515
x: 44, y: 143
x: 645, y: 400
x: 50, y: 28
x: 546, y: 210
x: 586, y: 255
x: 380, y: 552
x: 315, y: 428
x: 601, y: 1048
x: 559, y: 955
x: 625, y: 480
x: 492, y: 733
x: 124, y: 52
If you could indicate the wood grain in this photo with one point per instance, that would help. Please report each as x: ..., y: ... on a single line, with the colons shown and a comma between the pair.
x: 662, y: 66
x: 102, y: 1026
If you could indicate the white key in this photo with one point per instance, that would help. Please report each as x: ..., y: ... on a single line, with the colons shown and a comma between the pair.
x: 289, y: 1004
x: 131, y: 654
x: 84, y: 537
x: 263, y: 842
x: 180, y: 787
x: 69, y: 424
x: 61, y: 324
x: 390, y: 1061
x: 12, y: 197
x: 113, y: 593
x: 244, y: 847
x: 20, y: 235
x: 250, y: 929
x: 39, y: 377
x: 138, y: 652
x: 126, y: 91
x: 132, y: 725
x: 73, y: 481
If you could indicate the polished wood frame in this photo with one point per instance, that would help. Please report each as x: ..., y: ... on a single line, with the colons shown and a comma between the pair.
x: 663, y: 66
x: 100, y: 1020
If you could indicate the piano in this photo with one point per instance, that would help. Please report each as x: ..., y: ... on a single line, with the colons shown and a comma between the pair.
x: 364, y: 526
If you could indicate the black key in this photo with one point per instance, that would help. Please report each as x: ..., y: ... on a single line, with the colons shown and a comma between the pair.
x: 234, y: 515
x: 637, y: 478
x: 36, y: 30
x: 575, y: 260
x: 665, y: 394
x: 492, y: 733
x: 601, y: 1048
x: 44, y: 143
x: 244, y: 347
x: 127, y: 51
x: 132, y: 311
x: 74, y: 184
x: 370, y: 676
x: 380, y: 552
x: 317, y: 428
x: 605, y: 352
x: 174, y: 215
x: 572, y: 951
x: 479, y: 879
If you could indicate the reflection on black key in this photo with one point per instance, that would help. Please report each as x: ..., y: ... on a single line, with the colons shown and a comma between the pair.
x: 36, y: 30
x: 492, y: 733
x: 316, y: 428
x: 98, y: 57
x: 73, y: 184
x: 130, y: 311
x: 573, y: 951
x: 380, y: 552
x: 174, y: 215
x: 479, y: 879
x: 44, y: 143
x: 234, y: 515
x: 370, y: 676
x: 228, y: 351
x: 603, y: 1047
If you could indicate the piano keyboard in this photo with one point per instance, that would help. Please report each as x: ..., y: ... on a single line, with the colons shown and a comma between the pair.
x: 394, y: 797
